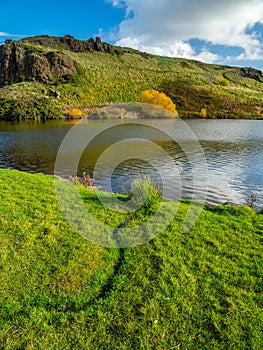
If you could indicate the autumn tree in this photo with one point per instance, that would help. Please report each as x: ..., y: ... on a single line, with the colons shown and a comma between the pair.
x: 159, y: 99
x: 74, y: 113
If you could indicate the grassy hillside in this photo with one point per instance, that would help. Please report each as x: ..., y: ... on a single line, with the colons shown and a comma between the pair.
x: 194, y: 290
x: 225, y: 92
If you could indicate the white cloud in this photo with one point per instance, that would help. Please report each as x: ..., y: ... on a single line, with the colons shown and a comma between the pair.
x: 4, y: 34
x: 8, y: 35
x: 165, y: 26
x: 176, y: 49
x: 207, y: 57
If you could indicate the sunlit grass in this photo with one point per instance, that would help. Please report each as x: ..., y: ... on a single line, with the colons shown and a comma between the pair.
x: 195, y: 290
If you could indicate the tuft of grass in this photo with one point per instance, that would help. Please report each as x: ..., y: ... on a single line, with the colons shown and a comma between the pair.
x: 145, y: 196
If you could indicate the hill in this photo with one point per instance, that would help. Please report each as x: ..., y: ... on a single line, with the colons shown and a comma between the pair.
x: 44, y: 77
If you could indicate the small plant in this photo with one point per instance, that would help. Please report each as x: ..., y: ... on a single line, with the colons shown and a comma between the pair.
x: 145, y: 196
x: 84, y: 180
x: 203, y: 113
x: 251, y: 201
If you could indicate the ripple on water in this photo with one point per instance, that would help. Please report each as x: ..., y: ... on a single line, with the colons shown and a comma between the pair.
x: 233, y: 150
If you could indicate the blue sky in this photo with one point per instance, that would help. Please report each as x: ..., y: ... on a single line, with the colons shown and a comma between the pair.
x: 226, y: 32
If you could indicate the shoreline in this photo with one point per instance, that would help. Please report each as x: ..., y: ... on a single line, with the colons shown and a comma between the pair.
x: 206, y: 205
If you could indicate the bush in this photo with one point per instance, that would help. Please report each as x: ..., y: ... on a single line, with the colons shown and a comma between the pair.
x: 74, y: 113
x: 145, y: 196
x: 222, y: 81
x: 12, y: 109
x: 159, y: 99
x: 38, y: 109
x: 100, y: 114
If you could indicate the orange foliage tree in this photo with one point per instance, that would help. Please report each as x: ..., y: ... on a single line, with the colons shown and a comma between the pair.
x: 159, y: 99
x: 74, y: 113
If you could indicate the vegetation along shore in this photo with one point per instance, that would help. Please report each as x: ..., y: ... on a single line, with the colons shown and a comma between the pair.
x: 54, y: 77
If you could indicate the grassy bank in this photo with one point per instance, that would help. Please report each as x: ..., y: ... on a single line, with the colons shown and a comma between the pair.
x: 194, y: 290
x: 224, y: 92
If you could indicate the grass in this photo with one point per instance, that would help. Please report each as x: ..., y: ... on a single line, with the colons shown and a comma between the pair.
x: 226, y: 92
x: 194, y: 290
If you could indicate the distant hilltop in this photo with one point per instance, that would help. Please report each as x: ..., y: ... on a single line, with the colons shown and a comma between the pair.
x: 45, y: 74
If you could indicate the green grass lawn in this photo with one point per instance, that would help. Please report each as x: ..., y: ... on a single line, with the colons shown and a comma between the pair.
x: 196, y: 290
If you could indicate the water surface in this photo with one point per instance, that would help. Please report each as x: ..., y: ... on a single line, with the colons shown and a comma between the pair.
x: 233, y: 152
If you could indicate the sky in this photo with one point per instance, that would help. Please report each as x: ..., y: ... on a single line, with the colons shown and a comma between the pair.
x: 227, y: 32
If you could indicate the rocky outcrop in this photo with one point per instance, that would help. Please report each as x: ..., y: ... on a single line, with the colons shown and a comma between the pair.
x: 21, y: 63
x: 252, y: 73
x: 60, y: 64
x: 29, y: 60
x: 70, y: 43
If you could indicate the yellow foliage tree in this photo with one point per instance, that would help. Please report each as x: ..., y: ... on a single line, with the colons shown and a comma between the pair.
x: 74, y: 113
x: 159, y: 99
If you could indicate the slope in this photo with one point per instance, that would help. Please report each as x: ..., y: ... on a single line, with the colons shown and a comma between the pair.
x: 85, y: 74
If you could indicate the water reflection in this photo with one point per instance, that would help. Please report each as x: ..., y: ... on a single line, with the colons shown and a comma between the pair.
x: 233, y: 150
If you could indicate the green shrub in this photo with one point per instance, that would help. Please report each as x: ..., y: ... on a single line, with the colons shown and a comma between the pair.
x: 222, y: 81
x: 39, y: 109
x: 100, y: 114
x: 145, y: 196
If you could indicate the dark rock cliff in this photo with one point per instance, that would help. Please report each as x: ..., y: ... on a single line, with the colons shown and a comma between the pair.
x: 28, y: 59
x: 252, y: 73
x: 18, y: 63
